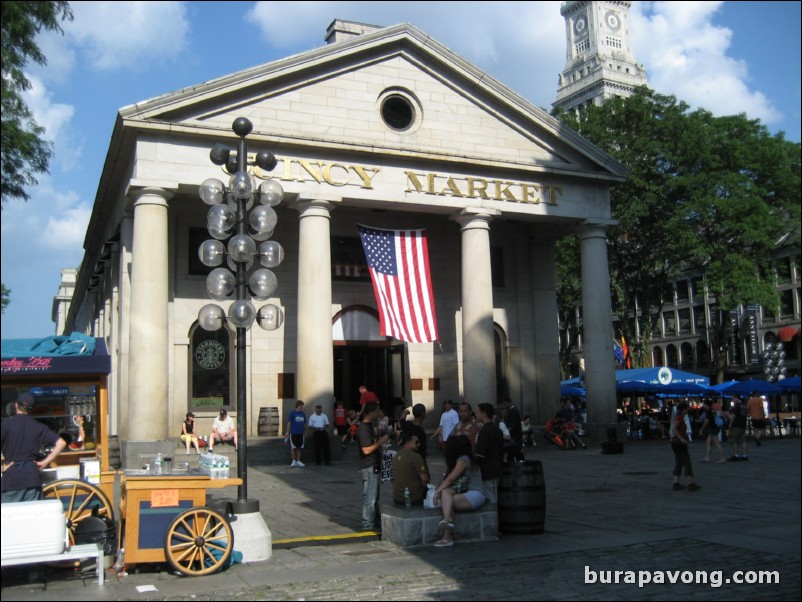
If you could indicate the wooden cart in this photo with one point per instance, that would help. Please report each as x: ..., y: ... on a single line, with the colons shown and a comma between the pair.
x: 162, y: 518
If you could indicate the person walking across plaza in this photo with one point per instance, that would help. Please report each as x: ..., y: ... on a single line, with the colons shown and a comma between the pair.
x: 340, y: 418
x: 319, y: 424
x: 737, y: 431
x: 448, y: 420
x: 370, y: 455
x: 22, y: 438
x: 679, y: 445
x: 296, y: 427
x: 712, y: 424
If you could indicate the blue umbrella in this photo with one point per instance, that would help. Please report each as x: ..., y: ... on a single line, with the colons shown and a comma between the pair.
x: 636, y: 386
x: 689, y: 389
x: 747, y: 387
x: 570, y: 391
x: 789, y: 385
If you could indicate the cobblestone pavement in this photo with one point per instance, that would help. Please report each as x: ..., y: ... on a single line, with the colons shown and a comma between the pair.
x: 604, y: 514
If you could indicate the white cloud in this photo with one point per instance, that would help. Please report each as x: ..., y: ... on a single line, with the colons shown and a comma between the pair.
x: 685, y: 54
x: 56, y: 119
x: 132, y: 35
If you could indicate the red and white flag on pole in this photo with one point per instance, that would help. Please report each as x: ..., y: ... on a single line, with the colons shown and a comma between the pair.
x: 399, y: 268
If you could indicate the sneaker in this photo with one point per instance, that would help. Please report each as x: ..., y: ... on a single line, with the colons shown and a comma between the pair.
x: 733, y: 459
x: 211, y: 451
x: 694, y: 487
x: 236, y: 449
x: 679, y: 487
x: 300, y: 464
x: 294, y: 464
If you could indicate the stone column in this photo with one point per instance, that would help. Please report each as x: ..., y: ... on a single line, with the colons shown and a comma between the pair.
x: 547, y: 336
x: 597, y: 328
x: 148, y: 360
x: 478, y: 349
x: 315, y: 352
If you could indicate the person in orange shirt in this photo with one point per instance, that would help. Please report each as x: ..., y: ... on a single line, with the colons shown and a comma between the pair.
x: 754, y: 407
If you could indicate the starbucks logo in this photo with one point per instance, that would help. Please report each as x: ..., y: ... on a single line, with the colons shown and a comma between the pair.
x: 664, y: 376
x: 210, y: 355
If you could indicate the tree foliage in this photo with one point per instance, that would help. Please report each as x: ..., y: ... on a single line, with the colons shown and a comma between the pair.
x: 24, y: 151
x: 711, y: 195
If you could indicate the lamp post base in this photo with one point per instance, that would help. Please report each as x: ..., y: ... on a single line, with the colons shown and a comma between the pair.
x: 251, y: 534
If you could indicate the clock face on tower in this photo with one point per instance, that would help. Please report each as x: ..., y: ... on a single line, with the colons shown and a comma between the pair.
x: 613, y: 20
x: 581, y: 25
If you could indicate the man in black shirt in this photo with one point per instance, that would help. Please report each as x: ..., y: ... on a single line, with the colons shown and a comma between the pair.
x: 22, y: 439
x: 370, y: 453
x: 489, y: 450
x: 414, y: 426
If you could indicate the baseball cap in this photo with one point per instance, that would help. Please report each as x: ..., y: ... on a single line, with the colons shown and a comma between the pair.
x: 25, y: 401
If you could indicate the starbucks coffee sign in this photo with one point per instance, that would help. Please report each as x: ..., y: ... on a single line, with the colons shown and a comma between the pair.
x: 210, y: 354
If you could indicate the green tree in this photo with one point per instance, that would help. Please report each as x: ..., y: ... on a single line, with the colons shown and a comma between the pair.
x: 24, y: 151
x: 705, y: 193
x: 4, y: 296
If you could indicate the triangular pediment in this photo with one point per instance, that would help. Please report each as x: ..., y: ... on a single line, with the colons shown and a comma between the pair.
x: 333, y: 97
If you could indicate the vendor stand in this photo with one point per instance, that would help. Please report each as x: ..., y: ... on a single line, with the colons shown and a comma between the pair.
x: 67, y: 376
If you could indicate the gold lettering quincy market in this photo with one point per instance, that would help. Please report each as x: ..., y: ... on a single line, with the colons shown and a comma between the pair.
x: 479, y: 188
x: 333, y: 174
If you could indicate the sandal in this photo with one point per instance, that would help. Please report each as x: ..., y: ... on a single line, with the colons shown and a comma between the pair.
x: 444, y: 524
x: 443, y: 543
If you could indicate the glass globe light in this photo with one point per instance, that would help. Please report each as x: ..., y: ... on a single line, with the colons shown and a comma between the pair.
x: 220, y: 220
x: 270, y: 317
x: 241, y: 248
x: 270, y: 193
x: 233, y: 265
x: 212, y: 191
x: 232, y: 202
x: 271, y: 254
x: 260, y: 236
x: 263, y: 218
x: 242, y: 313
x: 263, y: 284
x: 240, y: 185
x: 211, y: 253
x: 220, y: 284
x: 211, y: 317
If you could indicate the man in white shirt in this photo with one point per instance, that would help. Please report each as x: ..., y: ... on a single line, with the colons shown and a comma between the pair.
x: 223, y: 429
x: 448, y: 420
x: 318, y: 423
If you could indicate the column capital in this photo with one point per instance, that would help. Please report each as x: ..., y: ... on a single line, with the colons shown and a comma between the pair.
x: 149, y: 195
x: 596, y: 228
x: 320, y: 205
x: 471, y: 218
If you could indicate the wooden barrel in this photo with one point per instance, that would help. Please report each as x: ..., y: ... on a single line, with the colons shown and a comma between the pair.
x: 268, y: 422
x: 522, y: 498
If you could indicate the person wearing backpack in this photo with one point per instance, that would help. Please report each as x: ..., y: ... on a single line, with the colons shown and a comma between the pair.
x: 712, y: 425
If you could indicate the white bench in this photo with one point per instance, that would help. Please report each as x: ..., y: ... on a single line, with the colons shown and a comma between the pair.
x: 87, y: 550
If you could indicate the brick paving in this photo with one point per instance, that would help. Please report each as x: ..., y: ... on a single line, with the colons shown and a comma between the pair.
x: 607, y: 513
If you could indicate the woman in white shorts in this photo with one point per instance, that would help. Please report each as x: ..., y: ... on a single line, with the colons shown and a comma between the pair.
x: 450, y: 501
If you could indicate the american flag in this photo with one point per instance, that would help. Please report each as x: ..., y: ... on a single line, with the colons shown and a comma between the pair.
x: 399, y: 268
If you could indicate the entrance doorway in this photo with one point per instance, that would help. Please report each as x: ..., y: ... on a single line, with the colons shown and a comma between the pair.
x: 378, y: 366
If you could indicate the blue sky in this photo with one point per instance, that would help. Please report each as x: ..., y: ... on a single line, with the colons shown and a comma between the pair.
x: 728, y: 57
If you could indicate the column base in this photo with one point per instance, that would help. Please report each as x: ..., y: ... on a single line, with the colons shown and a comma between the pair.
x: 252, y: 537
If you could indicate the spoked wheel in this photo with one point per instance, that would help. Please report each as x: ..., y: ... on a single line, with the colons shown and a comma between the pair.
x: 80, y: 500
x: 199, y: 542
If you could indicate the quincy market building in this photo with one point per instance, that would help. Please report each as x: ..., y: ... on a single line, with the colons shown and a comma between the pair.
x: 383, y: 127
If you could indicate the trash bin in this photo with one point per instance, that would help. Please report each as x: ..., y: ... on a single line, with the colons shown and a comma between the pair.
x: 522, y: 498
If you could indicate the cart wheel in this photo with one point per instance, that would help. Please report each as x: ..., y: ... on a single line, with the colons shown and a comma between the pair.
x: 80, y: 500
x: 199, y: 542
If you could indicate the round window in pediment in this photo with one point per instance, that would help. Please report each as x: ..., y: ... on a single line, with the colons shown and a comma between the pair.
x: 399, y: 110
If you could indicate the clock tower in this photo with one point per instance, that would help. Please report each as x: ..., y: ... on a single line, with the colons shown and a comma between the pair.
x: 599, y: 60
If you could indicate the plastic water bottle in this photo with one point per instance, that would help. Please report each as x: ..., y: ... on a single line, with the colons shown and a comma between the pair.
x: 157, y: 464
x: 407, y: 497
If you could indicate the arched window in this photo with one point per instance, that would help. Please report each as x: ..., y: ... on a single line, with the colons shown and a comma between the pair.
x: 356, y: 323
x: 686, y: 357
x: 211, y: 364
x: 672, y: 361
x: 502, y: 383
x: 657, y: 355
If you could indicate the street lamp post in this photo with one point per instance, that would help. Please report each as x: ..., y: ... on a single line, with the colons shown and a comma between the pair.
x: 231, y: 218
x: 774, y: 369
